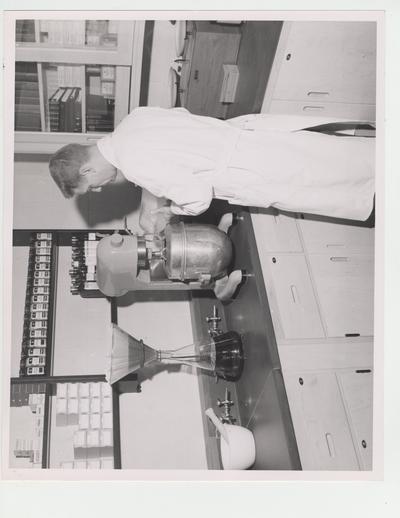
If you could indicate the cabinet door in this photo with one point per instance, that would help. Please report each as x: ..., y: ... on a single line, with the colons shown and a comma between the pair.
x: 211, y: 50
x: 275, y: 232
x: 354, y: 111
x: 335, y: 238
x: 321, y: 59
x: 294, y: 296
x: 357, y: 392
x: 320, y: 422
x: 345, y: 289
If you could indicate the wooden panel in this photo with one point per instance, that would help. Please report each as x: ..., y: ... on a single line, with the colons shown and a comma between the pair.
x: 320, y: 422
x: 345, y: 288
x: 320, y: 61
x: 355, y: 111
x: 335, y: 238
x: 256, y: 54
x: 275, y: 232
x: 357, y: 391
x: 211, y: 51
x: 297, y: 307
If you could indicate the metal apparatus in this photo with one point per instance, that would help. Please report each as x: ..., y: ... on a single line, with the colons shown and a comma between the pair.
x: 184, y: 256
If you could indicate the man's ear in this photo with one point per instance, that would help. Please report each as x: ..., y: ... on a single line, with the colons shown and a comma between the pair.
x: 85, y: 169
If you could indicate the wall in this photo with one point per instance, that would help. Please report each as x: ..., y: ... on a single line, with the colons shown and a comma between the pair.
x: 161, y: 427
x: 162, y: 55
x: 38, y: 203
x: 81, y: 334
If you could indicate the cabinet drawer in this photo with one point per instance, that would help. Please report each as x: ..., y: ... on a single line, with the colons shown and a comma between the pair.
x: 357, y: 392
x: 294, y: 296
x: 320, y: 422
x: 320, y: 59
x: 354, y: 111
x: 335, y: 238
x: 345, y: 289
x: 275, y: 232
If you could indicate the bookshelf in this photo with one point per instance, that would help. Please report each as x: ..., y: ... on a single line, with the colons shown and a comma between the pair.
x: 75, y: 80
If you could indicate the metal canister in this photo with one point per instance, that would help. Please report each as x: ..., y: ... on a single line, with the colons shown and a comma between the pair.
x: 194, y: 251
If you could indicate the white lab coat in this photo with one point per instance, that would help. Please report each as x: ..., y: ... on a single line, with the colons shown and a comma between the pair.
x: 257, y: 160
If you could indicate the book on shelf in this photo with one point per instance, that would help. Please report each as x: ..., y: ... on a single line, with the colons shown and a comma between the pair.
x: 54, y: 109
x: 65, y: 110
x: 27, y: 121
x: 25, y: 31
x: 27, y: 103
x: 27, y: 108
x: 22, y: 98
x: 77, y: 125
x: 27, y: 77
x: 27, y: 85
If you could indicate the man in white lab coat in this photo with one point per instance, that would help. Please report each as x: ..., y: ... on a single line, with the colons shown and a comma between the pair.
x: 258, y: 160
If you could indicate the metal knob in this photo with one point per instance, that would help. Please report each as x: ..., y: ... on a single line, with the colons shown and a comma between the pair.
x: 116, y: 240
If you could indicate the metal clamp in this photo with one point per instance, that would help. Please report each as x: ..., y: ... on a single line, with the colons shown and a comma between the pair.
x: 227, y: 403
x: 214, y: 320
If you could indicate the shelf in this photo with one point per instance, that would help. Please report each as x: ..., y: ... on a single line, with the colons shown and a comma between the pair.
x: 45, y: 385
x: 109, y: 79
x: 66, y: 51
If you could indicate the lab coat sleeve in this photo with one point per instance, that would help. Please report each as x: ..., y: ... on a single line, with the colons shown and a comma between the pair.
x: 190, y: 198
x: 170, y: 178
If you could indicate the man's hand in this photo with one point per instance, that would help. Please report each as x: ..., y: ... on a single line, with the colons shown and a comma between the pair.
x: 155, y: 220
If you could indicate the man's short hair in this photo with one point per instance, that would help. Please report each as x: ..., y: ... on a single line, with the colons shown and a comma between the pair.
x: 65, y: 164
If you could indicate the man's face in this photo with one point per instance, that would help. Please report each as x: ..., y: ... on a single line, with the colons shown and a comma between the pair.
x: 95, y: 178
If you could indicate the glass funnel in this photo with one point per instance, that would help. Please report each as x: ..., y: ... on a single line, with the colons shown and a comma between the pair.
x: 221, y: 354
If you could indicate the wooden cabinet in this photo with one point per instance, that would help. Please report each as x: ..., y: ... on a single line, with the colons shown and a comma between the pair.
x: 319, y: 278
x: 355, y: 111
x: 210, y: 46
x: 314, y: 71
x: 335, y: 237
x: 345, y: 290
x: 320, y: 422
x: 320, y: 275
x: 357, y: 392
x: 277, y: 232
x: 293, y: 292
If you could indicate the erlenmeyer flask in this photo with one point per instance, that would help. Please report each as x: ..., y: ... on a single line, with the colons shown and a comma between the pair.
x: 201, y: 355
x: 221, y: 354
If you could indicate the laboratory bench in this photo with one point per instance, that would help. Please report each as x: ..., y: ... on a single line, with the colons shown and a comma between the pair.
x: 259, y: 397
x: 305, y: 310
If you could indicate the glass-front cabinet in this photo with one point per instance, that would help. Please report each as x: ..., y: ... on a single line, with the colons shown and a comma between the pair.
x: 74, y: 80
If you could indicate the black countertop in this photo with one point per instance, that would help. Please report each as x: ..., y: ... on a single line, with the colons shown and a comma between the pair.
x: 260, y: 398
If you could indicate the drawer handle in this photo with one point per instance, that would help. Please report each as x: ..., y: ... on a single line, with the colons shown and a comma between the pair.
x: 318, y: 94
x: 313, y: 108
x: 293, y: 291
x: 196, y: 75
x: 339, y: 259
x: 330, y: 444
